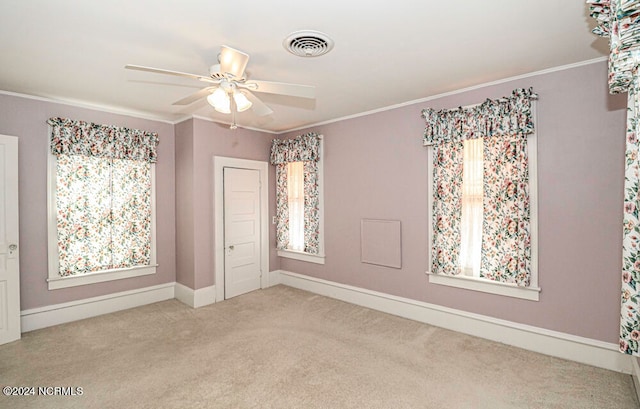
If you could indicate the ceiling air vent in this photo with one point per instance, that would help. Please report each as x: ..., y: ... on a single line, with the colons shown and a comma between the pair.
x: 308, y: 43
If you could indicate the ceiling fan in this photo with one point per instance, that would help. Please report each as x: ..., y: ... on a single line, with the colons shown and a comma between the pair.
x: 230, y: 91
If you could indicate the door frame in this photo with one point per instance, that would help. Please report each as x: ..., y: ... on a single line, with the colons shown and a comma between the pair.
x: 13, y: 323
x: 219, y: 163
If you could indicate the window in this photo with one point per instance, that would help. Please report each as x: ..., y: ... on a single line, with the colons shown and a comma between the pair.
x: 101, y: 207
x: 295, y: 193
x: 471, y: 218
x: 299, y: 197
x: 483, y: 205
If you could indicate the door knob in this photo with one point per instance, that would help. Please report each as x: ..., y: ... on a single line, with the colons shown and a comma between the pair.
x: 13, y: 251
x: 231, y: 247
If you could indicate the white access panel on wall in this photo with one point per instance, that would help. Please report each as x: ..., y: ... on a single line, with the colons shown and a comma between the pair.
x: 381, y: 242
x: 9, y: 265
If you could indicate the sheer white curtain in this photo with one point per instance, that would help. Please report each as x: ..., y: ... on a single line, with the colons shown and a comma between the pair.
x: 471, y: 220
x: 295, y: 191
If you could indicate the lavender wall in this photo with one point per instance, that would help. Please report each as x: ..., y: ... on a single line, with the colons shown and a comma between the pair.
x: 376, y: 167
x: 196, y: 148
x: 184, y: 204
x: 27, y: 119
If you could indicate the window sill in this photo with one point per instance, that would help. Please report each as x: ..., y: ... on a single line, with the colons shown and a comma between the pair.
x: 301, y: 256
x: 486, y: 286
x: 99, y: 277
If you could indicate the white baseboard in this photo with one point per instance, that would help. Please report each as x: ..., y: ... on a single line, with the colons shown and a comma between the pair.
x: 584, y: 350
x: 195, y: 298
x: 274, y: 278
x: 636, y: 376
x: 50, y: 315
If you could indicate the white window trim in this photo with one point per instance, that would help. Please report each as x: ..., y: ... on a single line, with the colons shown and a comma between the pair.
x: 54, y: 280
x: 532, y: 292
x: 301, y: 255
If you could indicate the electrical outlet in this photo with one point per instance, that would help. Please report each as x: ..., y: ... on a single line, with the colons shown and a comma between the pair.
x: 273, y: 220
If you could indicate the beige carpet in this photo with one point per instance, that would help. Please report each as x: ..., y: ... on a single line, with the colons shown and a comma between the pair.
x: 285, y: 348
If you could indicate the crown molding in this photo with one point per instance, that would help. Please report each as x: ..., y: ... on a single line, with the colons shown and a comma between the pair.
x: 96, y: 107
x: 449, y: 93
x: 146, y: 115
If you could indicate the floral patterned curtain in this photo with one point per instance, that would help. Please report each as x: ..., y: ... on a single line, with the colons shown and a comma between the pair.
x: 619, y: 20
x: 103, y: 196
x: 506, y: 227
x: 630, y: 318
x: 69, y: 137
x: 304, y: 148
x: 503, y: 125
x: 508, y: 115
x: 447, y: 207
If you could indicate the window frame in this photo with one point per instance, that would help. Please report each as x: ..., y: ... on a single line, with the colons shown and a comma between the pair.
x: 532, y: 292
x: 302, y: 255
x: 54, y: 280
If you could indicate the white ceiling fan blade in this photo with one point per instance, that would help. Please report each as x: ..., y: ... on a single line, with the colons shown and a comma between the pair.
x: 259, y: 107
x: 233, y: 61
x: 169, y: 72
x: 269, y: 87
x: 196, y: 96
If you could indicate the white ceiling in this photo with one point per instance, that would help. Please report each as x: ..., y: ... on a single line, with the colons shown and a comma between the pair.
x: 385, y: 53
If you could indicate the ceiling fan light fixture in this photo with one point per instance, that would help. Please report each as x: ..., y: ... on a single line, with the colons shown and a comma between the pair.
x: 223, y: 110
x: 232, y: 61
x: 242, y: 103
x: 217, y: 97
x: 219, y: 100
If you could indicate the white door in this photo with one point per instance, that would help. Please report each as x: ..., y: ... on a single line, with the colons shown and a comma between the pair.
x: 9, y: 268
x: 242, y: 244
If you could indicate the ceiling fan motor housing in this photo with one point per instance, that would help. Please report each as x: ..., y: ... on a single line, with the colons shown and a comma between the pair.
x: 214, y: 72
x: 228, y: 86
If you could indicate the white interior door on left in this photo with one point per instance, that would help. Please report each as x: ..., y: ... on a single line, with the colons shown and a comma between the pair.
x: 9, y: 258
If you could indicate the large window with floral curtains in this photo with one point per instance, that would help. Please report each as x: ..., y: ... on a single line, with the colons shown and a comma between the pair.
x: 618, y: 20
x: 101, y: 203
x: 299, y: 212
x: 483, y: 226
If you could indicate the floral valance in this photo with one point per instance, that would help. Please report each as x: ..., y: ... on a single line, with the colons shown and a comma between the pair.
x: 69, y: 137
x: 493, y: 117
x: 299, y: 149
x: 620, y: 21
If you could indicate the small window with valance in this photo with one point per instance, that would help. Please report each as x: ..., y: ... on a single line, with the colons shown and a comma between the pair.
x: 299, y: 213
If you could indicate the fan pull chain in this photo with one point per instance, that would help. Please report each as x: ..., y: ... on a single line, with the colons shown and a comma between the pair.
x: 234, y: 108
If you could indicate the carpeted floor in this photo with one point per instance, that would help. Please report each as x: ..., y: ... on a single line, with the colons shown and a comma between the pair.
x: 286, y: 348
